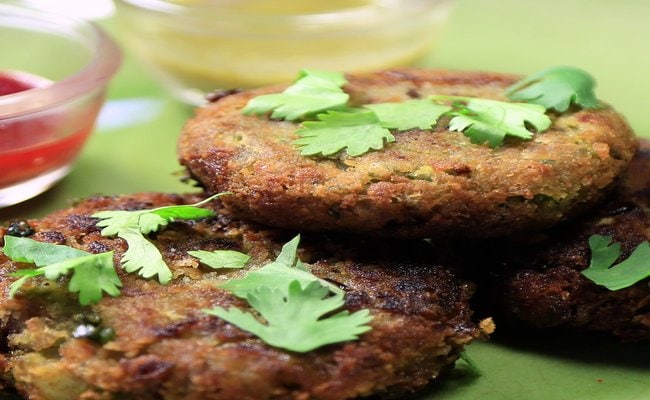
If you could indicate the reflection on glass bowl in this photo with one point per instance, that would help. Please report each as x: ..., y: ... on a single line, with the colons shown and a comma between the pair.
x: 53, y: 74
x: 196, y: 46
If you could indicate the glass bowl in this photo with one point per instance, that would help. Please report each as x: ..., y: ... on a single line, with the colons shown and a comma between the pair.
x: 196, y: 46
x: 65, y: 65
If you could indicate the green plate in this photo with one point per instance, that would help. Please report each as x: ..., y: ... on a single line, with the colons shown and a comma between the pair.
x: 133, y: 150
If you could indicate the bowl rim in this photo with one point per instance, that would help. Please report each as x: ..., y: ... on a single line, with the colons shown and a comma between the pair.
x: 353, y: 14
x: 105, y: 60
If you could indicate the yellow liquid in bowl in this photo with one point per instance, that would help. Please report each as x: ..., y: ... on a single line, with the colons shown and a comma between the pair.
x: 281, y: 7
x: 261, y: 42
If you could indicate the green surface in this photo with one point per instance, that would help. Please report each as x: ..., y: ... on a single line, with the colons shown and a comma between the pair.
x: 549, y: 366
x: 608, y: 39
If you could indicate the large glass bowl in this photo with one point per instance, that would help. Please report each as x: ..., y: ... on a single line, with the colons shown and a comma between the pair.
x: 196, y: 46
x: 42, y: 129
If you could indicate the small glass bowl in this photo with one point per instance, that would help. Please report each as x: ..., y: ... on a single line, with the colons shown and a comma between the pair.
x: 196, y: 46
x: 42, y: 129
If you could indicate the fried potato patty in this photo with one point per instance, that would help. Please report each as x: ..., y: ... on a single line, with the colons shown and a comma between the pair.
x: 166, y: 348
x: 537, y: 280
x: 425, y: 184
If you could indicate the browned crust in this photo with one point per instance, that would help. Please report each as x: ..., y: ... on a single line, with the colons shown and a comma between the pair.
x: 166, y: 348
x: 424, y: 184
x: 537, y: 280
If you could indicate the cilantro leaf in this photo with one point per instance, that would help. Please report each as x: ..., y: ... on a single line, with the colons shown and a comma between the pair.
x: 288, y: 256
x: 221, y: 258
x: 490, y: 121
x: 24, y: 275
x: 142, y: 256
x: 186, y: 212
x: 604, y: 254
x: 294, y: 321
x: 113, y: 221
x: 470, y: 362
x: 356, y: 132
x: 30, y: 251
x: 273, y: 275
x: 92, y: 274
x: 285, y: 268
x: 147, y: 221
x: 556, y: 88
x: 409, y: 114
x: 313, y: 92
x: 293, y: 316
x: 332, y: 79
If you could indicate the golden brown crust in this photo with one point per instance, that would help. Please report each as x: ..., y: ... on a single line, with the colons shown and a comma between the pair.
x: 424, y: 184
x: 167, y: 348
x: 536, y: 279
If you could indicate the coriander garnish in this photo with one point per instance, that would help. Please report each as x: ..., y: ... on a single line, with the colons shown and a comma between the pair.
x: 410, y: 114
x: 292, y: 304
x: 604, y: 254
x: 313, y: 92
x: 356, y: 132
x: 490, y: 121
x: 92, y: 274
x: 556, y: 88
x: 470, y: 362
x: 221, y: 258
x: 338, y: 127
x: 294, y: 321
x: 142, y: 256
x: 276, y: 274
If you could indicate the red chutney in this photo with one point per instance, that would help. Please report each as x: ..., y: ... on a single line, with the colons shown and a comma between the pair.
x: 11, y: 84
x: 37, y: 143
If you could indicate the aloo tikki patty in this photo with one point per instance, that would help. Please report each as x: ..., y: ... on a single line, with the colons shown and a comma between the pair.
x: 537, y: 280
x: 165, y: 347
x: 425, y: 184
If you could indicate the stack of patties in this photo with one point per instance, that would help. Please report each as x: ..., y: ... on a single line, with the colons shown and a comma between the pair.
x: 322, y: 261
x: 462, y: 165
x: 590, y: 274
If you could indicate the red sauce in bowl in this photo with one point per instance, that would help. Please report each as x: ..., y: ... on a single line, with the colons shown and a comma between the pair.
x: 34, y: 144
x: 11, y: 83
